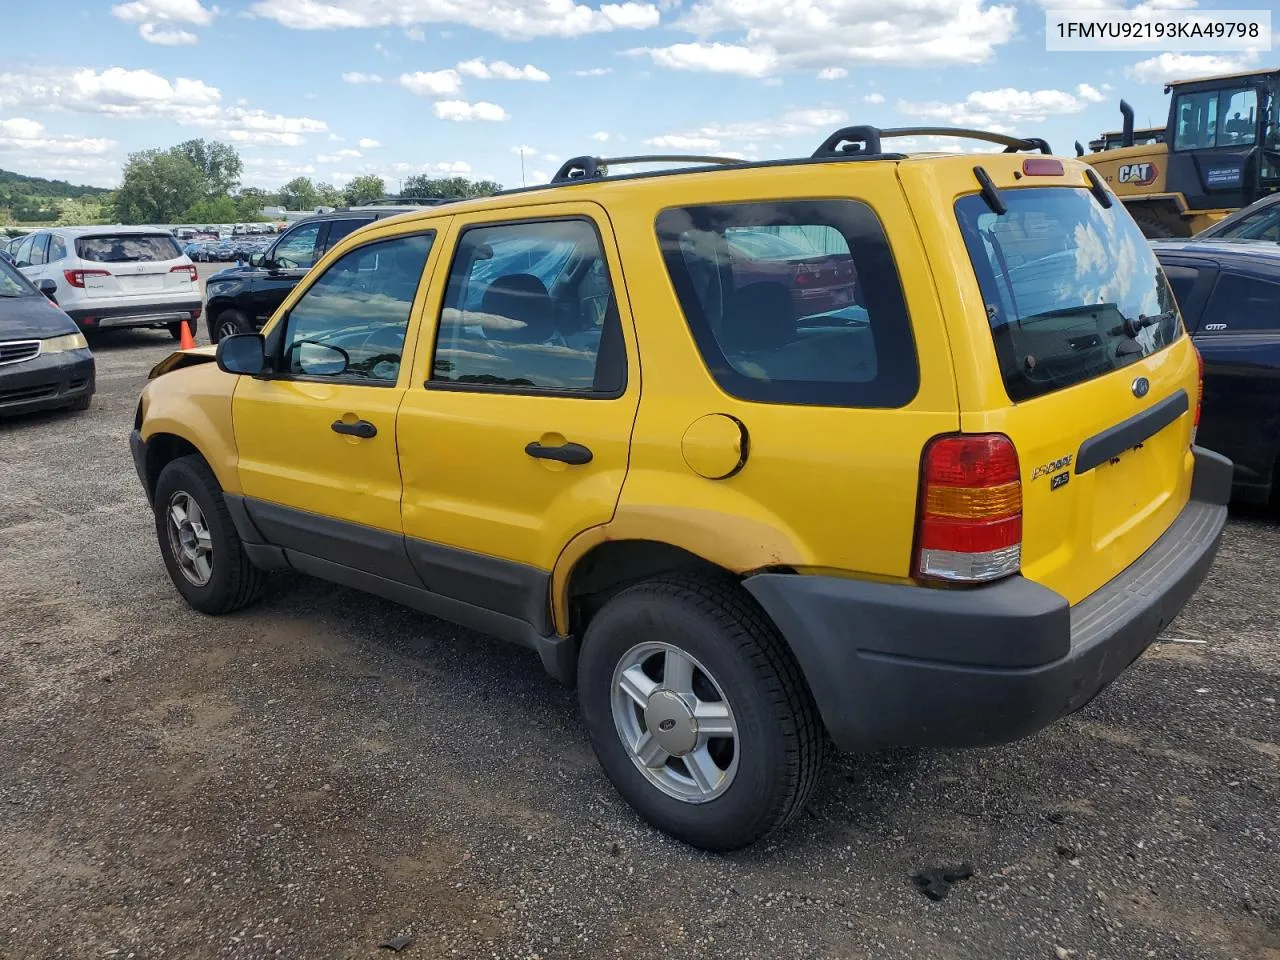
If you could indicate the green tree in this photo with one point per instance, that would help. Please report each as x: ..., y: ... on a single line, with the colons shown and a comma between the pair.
x: 363, y: 189
x: 219, y: 163
x: 157, y: 186
x: 448, y: 188
x: 299, y: 194
x: 77, y: 212
x: 328, y: 195
x: 211, y: 210
x: 249, y: 204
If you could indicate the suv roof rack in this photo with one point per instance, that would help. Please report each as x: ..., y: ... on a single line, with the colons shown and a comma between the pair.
x: 592, y: 168
x: 865, y: 140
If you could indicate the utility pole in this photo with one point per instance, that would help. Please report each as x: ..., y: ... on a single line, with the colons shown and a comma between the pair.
x: 522, y: 180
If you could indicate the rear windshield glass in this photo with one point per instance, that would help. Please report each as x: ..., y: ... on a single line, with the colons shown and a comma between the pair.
x: 1072, y: 291
x: 128, y: 248
x: 793, y: 302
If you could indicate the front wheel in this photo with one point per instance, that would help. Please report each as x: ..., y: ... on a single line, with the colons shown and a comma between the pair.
x: 227, y: 324
x: 198, y: 541
x: 698, y: 712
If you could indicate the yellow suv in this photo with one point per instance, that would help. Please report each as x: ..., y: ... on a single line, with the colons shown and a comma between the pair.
x: 861, y: 448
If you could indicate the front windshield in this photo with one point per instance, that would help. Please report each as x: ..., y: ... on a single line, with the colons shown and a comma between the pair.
x: 14, y: 284
x: 1072, y: 290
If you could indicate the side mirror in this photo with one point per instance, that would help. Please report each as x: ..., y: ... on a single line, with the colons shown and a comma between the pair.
x: 49, y: 289
x: 320, y: 359
x: 257, y: 259
x: 242, y: 353
x: 22, y: 263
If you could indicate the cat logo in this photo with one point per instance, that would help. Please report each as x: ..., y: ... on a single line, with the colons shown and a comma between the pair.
x: 1138, y: 174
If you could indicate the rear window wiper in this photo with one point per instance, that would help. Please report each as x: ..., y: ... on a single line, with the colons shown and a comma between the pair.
x: 1132, y: 326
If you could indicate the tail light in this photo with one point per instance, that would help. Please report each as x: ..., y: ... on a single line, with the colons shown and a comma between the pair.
x: 802, y: 279
x: 1195, y: 425
x: 970, y: 528
x: 189, y: 269
x: 76, y: 277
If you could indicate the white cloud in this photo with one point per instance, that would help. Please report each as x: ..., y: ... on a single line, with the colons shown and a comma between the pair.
x: 461, y: 111
x: 511, y: 19
x: 415, y: 34
x: 1090, y: 94
x: 793, y: 123
x: 594, y: 72
x: 435, y: 83
x: 832, y: 73
x: 157, y: 19
x: 675, y: 141
x: 368, y: 143
x: 257, y: 126
x: 356, y: 77
x: 29, y: 136
x: 600, y: 136
x: 452, y: 168
x: 171, y: 37
x: 712, y: 58
x: 1186, y: 66
x: 777, y: 36
x: 501, y: 70
x: 988, y: 108
x: 272, y: 172
x: 873, y: 98
x: 114, y: 91
x: 346, y: 154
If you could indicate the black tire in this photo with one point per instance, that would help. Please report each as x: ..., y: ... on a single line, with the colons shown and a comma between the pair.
x: 234, y: 581
x: 81, y: 404
x: 780, y: 736
x: 227, y: 323
x: 1152, y: 227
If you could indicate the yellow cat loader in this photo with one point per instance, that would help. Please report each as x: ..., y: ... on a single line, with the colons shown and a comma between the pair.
x: 1221, y: 152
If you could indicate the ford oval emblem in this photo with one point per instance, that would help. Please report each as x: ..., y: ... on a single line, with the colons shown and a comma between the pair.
x: 1141, y: 387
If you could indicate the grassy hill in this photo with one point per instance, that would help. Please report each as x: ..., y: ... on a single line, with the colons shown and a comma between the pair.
x: 35, y: 199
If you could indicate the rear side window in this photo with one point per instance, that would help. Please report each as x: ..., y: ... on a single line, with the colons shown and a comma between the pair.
x: 128, y: 248
x: 1244, y: 303
x: 57, y: 249
x: 795, y: 302
x: 1072, y: 291
x: 1263, y: 225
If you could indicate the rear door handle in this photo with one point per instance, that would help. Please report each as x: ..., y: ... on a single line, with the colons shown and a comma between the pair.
x: 573, y: 453
x: 361, y: 428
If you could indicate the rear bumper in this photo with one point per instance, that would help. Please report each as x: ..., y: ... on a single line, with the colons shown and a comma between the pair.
x: 49, y: 381
x: 893, y: 665
x: 158, y: 313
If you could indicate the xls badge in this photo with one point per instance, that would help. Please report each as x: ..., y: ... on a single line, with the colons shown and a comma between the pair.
x: 1138, y: 174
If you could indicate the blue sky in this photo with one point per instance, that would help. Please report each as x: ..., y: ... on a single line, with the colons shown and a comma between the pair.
x: 335, y: 88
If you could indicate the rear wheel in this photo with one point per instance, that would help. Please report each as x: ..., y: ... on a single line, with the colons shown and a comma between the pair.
x: 227, y: 324
x: 1153, y: 226
x: 199, y: 543
x: 698, y: 713
x: 81, y: 403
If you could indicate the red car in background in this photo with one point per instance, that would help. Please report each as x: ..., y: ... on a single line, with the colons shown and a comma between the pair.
x: 819, y: 282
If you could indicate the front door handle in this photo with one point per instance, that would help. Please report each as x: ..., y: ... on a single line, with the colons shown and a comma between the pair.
x: 361, y: 428
x: 573, y: 453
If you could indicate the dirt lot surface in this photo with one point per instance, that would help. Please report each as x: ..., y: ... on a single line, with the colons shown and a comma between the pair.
x: 326, y: 770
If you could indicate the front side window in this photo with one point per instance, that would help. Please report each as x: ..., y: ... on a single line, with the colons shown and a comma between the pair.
x: 1215, y: 118
x: 1072, y: 290
x: 793, y: 302
x: 297, y: 250
x: 1263, y: 225
x: 530, y: 306
x: 351, y: 322
x: 1242, y: 303
x: 22, y: 255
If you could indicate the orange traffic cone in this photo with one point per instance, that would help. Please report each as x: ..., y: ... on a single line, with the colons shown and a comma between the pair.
x: 186, y: 341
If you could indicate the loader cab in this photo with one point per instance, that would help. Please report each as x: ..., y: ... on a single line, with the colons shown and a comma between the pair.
x: 1224, y: 139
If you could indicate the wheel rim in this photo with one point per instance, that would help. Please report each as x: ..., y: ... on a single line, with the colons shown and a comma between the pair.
x: 189, y: 538
x: 227, y: 328
x: 675, y: 722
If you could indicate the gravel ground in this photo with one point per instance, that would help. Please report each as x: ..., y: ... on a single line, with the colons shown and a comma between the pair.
x: 326, y: 770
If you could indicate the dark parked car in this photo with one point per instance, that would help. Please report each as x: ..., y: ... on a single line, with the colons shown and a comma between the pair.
x: 1258, y: 221
x: 44, y: 358
x: 1229, y: 295
x: 241, y: 299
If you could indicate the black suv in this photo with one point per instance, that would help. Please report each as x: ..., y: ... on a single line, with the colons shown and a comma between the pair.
x: 242, y: 298
x: 1229, y: 295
